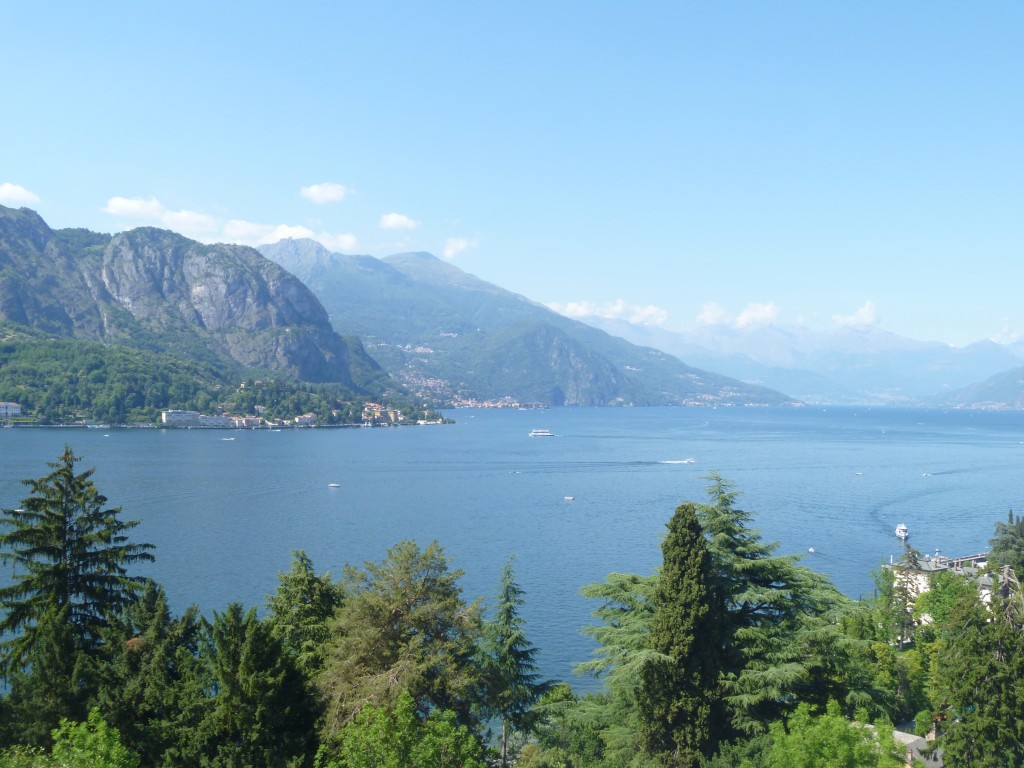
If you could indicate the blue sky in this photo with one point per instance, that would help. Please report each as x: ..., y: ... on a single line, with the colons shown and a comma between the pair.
x: 675, y: 163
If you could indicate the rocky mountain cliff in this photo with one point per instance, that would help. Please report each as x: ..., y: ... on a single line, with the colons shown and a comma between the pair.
x: 450, y: 335
x: 160, y: 291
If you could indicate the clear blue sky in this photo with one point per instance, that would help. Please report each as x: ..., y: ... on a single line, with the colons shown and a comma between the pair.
x: 736, y: 162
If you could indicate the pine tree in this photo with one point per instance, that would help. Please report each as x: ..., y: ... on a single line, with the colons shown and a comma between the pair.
x: 69, y: 552
x: 1008, y: 543
x: 301, y: 610
x: 679, y: 697
x: 781, y: 635
x: 513, y: 683
x: 403, y: 627
x: 153, y: 688
x: 261, y: 713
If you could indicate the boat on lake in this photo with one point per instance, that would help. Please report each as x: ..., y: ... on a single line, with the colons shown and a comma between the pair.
x: 541, y: 433
x: 902, y: 532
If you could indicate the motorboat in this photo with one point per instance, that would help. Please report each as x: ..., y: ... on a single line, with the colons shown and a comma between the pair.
x: 902, y: 532
x: 541, y: 433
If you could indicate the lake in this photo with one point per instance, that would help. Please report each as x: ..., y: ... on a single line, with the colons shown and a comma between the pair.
x: 226, y: 508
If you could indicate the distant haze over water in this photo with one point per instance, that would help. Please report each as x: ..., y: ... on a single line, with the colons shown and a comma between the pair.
x: 225, y: 514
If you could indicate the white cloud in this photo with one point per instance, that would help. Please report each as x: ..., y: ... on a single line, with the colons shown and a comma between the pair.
x: 756, y: 314
x: 15, y: 193
x: 328, y: 192
x: 453, y: 246
x: 397, y: 221
x: 616, y: 310
x: 209, y: 229
x: 152, y: 211
x: 344, y: 242
x: 251, y: 233
x: 864, y: 317
x: 713, y: 313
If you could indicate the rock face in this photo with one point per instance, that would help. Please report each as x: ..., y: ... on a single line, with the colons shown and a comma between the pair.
x: 158, y: 290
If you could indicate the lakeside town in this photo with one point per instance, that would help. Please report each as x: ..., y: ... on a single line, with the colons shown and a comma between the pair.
x: 373, y: 415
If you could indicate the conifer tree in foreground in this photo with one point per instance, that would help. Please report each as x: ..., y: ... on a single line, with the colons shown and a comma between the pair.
x: 68, y: 551
x: 69, y: 582
x: 678, y: 697
x: 514, y: 685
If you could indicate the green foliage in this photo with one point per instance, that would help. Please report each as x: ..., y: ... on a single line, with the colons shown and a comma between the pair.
x: 403, y: 627
x: 513, y: 685
x: 300, y: 612
x: 88, y: 744
x: 946, y: 590
x: 679, y: 696
x: 261, y: 714
x: 979, y: 665
x: 1008, y: 544
x: 782, y: 637
x: 61, y: 381
x: 382, y: 737
x: 56, y: 681
x: 70, y: 557
x: 607, y: 725
x: 153, y: 687
x: 829, y: 741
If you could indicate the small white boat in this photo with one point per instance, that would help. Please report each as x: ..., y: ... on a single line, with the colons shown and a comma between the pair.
x: 334, y: 485
x: 902, y: 532
x: 569, y: 498
x: 541, y: 433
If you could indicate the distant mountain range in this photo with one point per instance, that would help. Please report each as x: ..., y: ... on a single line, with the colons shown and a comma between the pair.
x: 846, y: 365
x: 453, y: 337
x: 414, y: 323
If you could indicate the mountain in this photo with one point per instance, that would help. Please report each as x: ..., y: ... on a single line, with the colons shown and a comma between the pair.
x: 845, y: 365
x: 449, y: 335
x: 158, y: 291
x: 1003, y: 391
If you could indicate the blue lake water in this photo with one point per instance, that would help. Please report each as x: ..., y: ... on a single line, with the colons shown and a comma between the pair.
x: 225, y: 514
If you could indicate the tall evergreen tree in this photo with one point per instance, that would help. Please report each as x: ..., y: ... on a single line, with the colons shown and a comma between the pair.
x: 679, y: 698
x: 56, y: 683
x: 514, y: 685
x: 261, y: 714
x: 403, y: 627
x: 782, y: 640
x: 979, y: 666
x: 301, y: 610
x: 1008, y: 543
x: 68, y: 551
x: 153, y: 688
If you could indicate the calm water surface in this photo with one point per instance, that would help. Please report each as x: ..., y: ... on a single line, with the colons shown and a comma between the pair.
x: 225, y: 514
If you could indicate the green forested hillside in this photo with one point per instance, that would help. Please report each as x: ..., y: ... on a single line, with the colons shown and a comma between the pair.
x: 62, y: 381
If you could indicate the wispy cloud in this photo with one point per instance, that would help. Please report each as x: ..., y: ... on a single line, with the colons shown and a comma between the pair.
x: 397, y: 221
x: 152, y: 211
x: 15, y: 193
x: 865, y: 317
x: 209, y: 229
x: 453, y: 246
x: 713, y: 313
x: 615, y: 310
x: 327, y: 192
x: 753, y: 315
